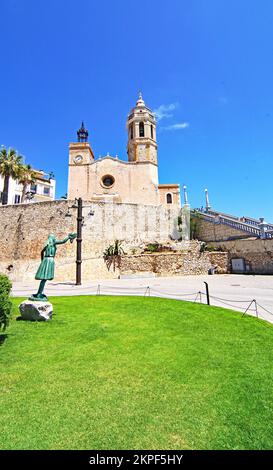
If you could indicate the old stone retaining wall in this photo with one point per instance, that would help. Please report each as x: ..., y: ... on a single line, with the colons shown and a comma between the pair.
x: 258, y: 254
x: 210, y: 231
x: 24, y: 229
x: 170, y: 264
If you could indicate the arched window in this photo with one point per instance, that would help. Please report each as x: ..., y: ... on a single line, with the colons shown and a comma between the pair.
x: 169, y: 198
x: 152, y: 131
x: 141, y: 129
x: 131, y: 131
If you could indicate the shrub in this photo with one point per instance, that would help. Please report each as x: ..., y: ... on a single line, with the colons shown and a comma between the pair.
x: 5, y: 285
x: 112, y: 254
x: 153, y: 247
x: 211, y: 248
x: 195, y: 224
x: 179, y: 223
x: 206, y: 247
x: 114, y: 250
x: 5, y: 303
x: 203, y: 247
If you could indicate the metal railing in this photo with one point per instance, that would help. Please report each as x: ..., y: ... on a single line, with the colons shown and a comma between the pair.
x: 249, y: 226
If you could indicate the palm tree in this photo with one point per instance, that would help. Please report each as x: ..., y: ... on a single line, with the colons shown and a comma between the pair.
x: 26, y: 177
x: 10, y: 167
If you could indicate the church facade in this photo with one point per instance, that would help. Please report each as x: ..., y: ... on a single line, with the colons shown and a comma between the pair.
x: 110, y: 179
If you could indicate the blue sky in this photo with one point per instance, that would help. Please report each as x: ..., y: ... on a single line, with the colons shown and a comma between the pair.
x: 209, y: 63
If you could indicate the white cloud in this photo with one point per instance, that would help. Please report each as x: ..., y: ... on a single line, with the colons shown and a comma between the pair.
x: 163, y: 111
x: 176, y: 127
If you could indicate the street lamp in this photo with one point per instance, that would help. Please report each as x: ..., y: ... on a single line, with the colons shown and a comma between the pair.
x: 79, y: 206
x: 79, y: 243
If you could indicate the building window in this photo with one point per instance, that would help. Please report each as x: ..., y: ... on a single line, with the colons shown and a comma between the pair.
x: 107, y: 181
x: 33, y: 188
x: 132, y: 131
x: 141, y: 129
x: 169, y: 198
x: 17, y: 199
x: 152, y: 131
x: 46, y: 191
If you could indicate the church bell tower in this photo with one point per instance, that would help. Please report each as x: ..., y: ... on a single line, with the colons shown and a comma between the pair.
x: 141, y: 127
x: 81, y: 156
x: 80, y: 153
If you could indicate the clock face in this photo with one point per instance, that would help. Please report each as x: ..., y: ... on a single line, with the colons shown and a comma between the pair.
x: 78, y: 159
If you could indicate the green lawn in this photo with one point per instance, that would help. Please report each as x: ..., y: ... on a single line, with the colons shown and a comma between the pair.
x: 129, y: 373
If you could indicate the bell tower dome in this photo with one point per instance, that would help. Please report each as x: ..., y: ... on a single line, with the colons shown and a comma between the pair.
x: 141, y: 127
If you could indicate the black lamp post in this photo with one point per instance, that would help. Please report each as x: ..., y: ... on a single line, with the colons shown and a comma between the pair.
x: 79, y: 243
x: 79, y: 206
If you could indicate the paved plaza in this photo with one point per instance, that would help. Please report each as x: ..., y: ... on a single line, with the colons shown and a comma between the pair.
x: 230, y: 290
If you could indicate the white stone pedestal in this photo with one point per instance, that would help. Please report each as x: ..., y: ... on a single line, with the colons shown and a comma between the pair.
x: 36, y: 310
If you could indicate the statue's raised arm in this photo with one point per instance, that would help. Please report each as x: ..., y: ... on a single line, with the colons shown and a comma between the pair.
x: 71, y: 237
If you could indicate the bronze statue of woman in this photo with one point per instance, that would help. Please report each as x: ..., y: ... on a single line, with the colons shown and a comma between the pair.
x: 46, y: 269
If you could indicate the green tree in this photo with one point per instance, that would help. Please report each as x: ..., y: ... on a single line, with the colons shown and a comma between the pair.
x: 10, y: 167
x: 195, y: 223
x: 26, y: 177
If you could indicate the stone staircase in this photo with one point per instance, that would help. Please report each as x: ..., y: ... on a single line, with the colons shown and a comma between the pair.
x: 247, y: 225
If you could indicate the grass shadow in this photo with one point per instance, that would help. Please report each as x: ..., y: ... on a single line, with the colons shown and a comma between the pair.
x: 3, y: 339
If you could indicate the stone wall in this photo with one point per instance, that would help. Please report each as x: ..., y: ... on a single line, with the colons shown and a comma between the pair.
x: 170, y: 264
x: 258, y: 254
x: 210, y: 231
x: 24, y: 229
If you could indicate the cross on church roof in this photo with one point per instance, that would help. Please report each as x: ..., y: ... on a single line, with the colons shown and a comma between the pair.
x: 140, y: 101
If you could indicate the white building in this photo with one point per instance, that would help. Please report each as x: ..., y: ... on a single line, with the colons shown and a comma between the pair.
x: 43, y: 189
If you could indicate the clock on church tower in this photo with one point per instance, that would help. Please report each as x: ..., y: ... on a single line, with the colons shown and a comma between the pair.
x: 80, y: 153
